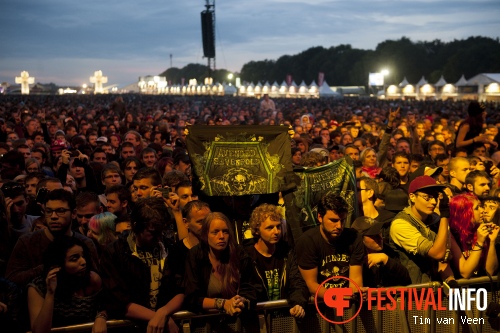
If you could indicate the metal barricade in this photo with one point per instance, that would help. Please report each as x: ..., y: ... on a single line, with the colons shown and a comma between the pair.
x: 274, y: 317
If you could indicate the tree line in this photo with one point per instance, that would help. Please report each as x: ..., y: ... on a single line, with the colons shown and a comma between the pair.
x: 344, y: 65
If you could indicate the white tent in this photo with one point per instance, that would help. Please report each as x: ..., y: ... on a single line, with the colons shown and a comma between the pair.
x: 484, y: 79
x: 462, y: 82
x: 441, y: 82
x: 326, y: 91
x: 404, y: 83
x: 229, y: 89
x: 422, y: 82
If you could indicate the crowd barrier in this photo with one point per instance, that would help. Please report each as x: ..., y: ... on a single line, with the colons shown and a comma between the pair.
x: 274, y: 317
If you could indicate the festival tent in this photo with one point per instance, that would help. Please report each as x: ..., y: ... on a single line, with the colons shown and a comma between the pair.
x: 441, y: 82
x: 422, y: 82
x: 266, y: 89
x: 303, y: 88
x: 404, y: 83
x: 462, y: 82
x: 326, y: 91
x: 283, y: 88
x: 292, y: 90
x: 488, y: 85
x: 313, y: 89
x: 485, y: 79
x: 275, y: 87
x: 258, y: 88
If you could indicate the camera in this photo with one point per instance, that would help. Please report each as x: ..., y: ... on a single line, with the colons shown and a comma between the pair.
x: 41, y: 195
x: 487, y: 166
x: 165, y: 192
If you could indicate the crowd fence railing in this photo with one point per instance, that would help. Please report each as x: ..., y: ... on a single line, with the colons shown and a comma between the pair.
x: 274, y: 316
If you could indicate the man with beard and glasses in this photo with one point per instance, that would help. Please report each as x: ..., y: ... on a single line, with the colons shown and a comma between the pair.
x: 26, y: 260
x: 329, y: 249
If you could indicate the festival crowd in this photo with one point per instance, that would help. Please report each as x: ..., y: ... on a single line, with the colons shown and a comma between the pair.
x: 101, y: 218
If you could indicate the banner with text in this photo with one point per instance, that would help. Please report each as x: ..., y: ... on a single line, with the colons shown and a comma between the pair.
x: 240, y: 160
x: 314, y: 183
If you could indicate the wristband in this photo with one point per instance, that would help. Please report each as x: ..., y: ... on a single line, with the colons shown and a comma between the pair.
x: 219, y: 303
x: 102, y: 315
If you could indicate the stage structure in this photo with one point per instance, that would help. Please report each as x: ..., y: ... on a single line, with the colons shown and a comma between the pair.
x: 208, y: 34
x: 25, y: 80
x: 98, y: 79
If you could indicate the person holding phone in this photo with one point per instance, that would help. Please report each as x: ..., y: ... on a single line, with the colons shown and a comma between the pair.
x: 68, y: 290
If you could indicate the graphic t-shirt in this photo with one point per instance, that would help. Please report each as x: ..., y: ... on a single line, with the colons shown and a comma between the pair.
x: 331, y: 259
x: 270, y: 269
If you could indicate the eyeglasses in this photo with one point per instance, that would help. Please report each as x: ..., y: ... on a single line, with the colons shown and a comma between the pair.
x: 87, y: 216
x: 437, y: 149
x: 59, y: 211
x: 427, y: 197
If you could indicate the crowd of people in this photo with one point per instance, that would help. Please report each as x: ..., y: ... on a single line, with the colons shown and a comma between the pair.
x: 101, y: 217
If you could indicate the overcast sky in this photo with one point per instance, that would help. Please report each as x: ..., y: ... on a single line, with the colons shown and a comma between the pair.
x: 65, y: 41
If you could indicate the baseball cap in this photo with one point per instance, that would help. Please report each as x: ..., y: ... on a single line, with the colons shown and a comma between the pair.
x: 424, y: 182
x: 367, y: 226
x: 102, y: 139
x: 57, y: 144
x: 433, y: 171
x: 321, y: 151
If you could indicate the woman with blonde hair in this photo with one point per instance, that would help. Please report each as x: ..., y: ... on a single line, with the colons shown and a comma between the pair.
x: 370, y: 167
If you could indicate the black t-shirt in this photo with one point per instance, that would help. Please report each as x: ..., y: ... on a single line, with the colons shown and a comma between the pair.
x: 270, y: 270
x: 331, y: 259
x: 177, y: 260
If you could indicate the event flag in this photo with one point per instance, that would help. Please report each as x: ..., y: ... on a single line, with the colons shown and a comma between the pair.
x: 313, y: 184
x: 240, y: 160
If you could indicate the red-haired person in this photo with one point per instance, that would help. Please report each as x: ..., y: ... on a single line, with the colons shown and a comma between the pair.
x: 473, y: 242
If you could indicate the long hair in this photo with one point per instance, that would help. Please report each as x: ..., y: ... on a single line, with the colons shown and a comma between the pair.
x: 462, y: 219
x: 104, y: 223
x: 55, y: 256
x: 229, y: 268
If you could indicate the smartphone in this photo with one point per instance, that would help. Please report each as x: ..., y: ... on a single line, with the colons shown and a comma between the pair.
x: 74, y: 153
x: 165, y: 192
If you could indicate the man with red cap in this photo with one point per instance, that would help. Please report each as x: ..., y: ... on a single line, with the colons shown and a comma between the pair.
x: 421, y: 249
